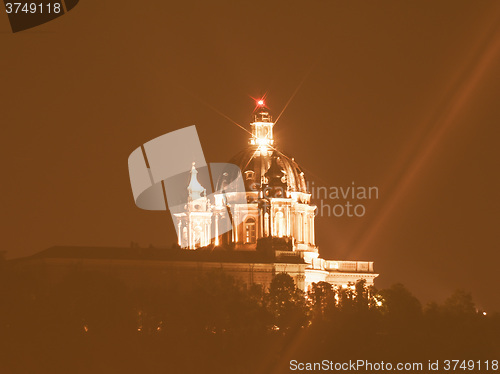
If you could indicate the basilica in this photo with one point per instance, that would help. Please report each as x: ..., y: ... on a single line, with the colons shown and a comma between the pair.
x: 274, y: 215
x: 257, y: 222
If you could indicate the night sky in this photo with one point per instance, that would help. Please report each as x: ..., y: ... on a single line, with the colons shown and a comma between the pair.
x: 401, y: 95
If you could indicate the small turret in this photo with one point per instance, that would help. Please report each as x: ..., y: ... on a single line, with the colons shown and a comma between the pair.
x: 195, y: 189
x: 197, y: 194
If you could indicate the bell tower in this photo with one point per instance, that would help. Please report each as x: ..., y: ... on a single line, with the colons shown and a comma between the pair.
x: 197, y: 194
x: 194, y: 225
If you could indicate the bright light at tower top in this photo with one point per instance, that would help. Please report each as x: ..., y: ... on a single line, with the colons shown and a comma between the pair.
x: 262, y: 127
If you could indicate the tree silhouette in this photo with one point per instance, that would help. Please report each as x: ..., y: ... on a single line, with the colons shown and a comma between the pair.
x: 400, y: 303
x: 401, y: 310
x: 286, y: 303
x: 323, y: 300
x: 460, y: 303
x: 93, y: 321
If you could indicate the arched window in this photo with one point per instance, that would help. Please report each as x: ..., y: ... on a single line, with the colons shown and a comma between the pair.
x: 198, y: 233
x: 185, y: 242
x: 266, y: 224
x: 279, y: 221
x: 300, y: 227
x: 250, y: 231
x: 249, y: 174
x: 306, y: 229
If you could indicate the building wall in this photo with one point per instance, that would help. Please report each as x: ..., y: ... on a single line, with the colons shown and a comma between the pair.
x: 138, y: 274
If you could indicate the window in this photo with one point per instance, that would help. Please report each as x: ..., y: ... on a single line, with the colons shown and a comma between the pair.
x: 250, y: 231
x: 184, y: 237
x: 306, y: 229
x: 198, y: 232
x: 300, y: 228
x: 279, y: 222
x: 266, y: 224
x: 249, y: 174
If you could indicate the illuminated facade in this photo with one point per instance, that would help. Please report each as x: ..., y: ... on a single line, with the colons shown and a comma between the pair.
x: 276, y: 213
x: 263, y: 226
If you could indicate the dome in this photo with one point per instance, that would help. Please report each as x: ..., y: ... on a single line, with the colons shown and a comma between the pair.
x: 263, y: 166
x: 254, y: 163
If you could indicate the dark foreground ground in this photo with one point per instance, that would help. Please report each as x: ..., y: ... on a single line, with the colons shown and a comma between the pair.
x: 91, y: 323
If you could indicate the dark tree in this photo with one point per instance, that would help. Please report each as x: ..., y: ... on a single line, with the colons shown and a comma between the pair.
x: 402, y: 312
x: 322, y: 298
x: 400, y: 303
x: 460, y: 303
x: 286, y: 303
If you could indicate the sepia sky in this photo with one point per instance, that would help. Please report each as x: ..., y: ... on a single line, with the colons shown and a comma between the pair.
x: 401, y: 95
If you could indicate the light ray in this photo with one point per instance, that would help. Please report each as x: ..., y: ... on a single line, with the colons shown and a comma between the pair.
x: 295, y: 92
x: 443, y: 124
x: 215, y: 109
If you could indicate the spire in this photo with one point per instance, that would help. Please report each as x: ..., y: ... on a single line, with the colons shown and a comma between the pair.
x: 261, y: 112
x: 195, y: 189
